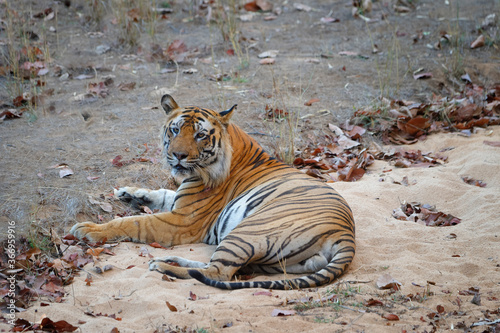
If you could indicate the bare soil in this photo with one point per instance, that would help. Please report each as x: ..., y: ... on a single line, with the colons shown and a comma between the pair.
x: 88, y: 132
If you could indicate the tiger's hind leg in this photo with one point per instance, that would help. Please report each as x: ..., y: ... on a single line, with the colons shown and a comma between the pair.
x: 162, y: 199
x: 222, y: 266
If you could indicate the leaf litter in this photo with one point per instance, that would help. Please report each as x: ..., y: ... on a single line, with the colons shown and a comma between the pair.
x: 44, y: 275
x: 345, y: 154
x: 424, y: 214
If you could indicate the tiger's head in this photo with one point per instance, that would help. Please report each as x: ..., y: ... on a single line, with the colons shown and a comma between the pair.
x: 196, y: 142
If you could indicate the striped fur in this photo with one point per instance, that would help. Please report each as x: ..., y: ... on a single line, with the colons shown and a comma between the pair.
x: 264, y: 215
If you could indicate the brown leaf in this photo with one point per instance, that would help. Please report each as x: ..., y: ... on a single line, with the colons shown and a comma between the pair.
x: 157, y: 246
x: 474, y: 182
x: 479, y: 42
x: 251, y: 6
x: 311, y: 101
x: 414, y: 126
x: 192, y: 296
x: 390, y: 316
x: 440, y: 309
x: 171, y: 307
x: 95, y: 252
x: 58, y: 326
x: 386, y: 281
x: 126, y: 86
x: 373, y: 302
x: 88, y: 280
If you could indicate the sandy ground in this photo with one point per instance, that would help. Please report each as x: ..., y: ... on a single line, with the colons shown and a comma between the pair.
x: 411, y: 253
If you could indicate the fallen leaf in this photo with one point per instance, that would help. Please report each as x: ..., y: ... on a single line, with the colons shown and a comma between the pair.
x: 58, y: 326
x: 171, y: 307
x: 440, y: 309
x: 329, y: 20
x: 419, y: 76
x: 390, y: 316
x: 192, y: 296
x: 95, y: 251
x: 65, y: 171
x: 479, y: 42
x: 280, y: 312
x: 311, y: 101
x: 251, y: 6
x: 472, y: 181
x: 88, y: 280
x: 269, y: 54
x: 386, y: 281
x: 126, y: 86
x: 267, y: 61
x: 157, y: 246
x: 373, y: 302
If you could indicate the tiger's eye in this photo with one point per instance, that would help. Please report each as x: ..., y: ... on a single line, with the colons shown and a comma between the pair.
x: 199, y: 136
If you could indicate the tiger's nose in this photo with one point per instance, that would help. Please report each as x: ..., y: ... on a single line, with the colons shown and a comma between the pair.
x: 180, y: 155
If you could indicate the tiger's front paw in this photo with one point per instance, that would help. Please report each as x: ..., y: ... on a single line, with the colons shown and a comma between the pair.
x: 134, y: 196
x: 92, y: 231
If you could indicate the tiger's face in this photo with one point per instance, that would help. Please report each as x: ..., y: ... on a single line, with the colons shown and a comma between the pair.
x: 196, y: 142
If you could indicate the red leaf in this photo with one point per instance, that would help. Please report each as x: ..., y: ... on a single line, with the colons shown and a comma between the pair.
x: 390, y: 316
x: 251, y: 6
x: 373, y: 302
x: 440, y: 309
x: 311, y: 101
x: 58, y: 326
x: 157, y: 246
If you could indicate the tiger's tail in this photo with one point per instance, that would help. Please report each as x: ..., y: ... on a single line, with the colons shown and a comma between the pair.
x: 335, y: 268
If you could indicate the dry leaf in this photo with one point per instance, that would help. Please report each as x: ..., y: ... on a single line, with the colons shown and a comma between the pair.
x: 479, y: 42
x: 280, y: 312
x: 388, y: 282
x: 269, y: 54
x: 95, y: 251
x: 311, y: 101
x: 171, y: 307
x: 390, y: 316
x: 419, y: 76
x: 267, y: 61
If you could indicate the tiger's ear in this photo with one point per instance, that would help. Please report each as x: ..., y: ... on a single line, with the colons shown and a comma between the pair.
x: 226, y: 115
x: 168, y: 103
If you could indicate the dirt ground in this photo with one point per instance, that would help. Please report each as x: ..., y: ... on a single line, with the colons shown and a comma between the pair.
x: 334, y: 62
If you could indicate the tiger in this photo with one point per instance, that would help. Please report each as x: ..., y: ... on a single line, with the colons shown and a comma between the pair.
x: 264, y: 215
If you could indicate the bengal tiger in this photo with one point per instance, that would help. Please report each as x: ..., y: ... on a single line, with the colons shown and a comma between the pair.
x: 263, y: 215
